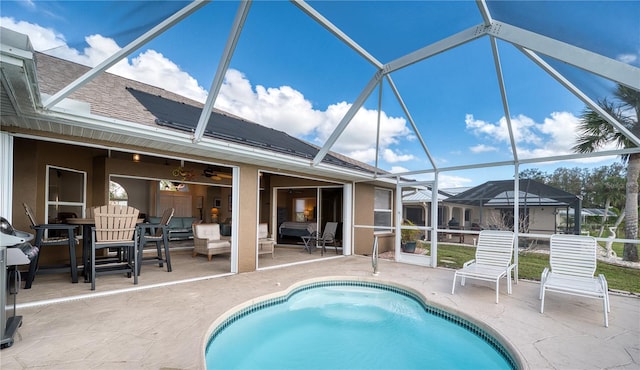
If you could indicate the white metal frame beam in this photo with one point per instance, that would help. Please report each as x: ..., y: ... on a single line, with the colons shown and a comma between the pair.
x: 484, y: 11
x: 436, y: 48
x: 421, y: 54
x: 503, y: 95
x: 566, y: 157
x: 597, y: 64
x: 124, y: 52
x: 582, y: 96
x: 411, y: 121
x: 324, y: 22
x: 347, y: 118
x: 227, y: 54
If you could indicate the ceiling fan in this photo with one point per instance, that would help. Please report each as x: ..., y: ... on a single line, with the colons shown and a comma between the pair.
x: 211, y: 173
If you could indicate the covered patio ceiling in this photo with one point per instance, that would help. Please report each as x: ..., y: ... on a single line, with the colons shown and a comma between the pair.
x: 584, y: 62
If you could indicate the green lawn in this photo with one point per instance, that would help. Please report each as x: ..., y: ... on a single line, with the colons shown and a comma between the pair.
x: 530, y: 267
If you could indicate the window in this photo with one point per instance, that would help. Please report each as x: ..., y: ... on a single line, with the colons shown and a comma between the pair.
x: 300, y: 209
x: 117, y: 194
x: 173, y: 186
x: 66, y: 194
x: 382, y: 210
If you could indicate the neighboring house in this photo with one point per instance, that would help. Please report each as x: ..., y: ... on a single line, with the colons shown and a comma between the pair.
x: 416, y: 204
x: 490, y: 206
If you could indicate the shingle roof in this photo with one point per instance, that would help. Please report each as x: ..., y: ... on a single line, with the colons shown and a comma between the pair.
x: 120, y: 98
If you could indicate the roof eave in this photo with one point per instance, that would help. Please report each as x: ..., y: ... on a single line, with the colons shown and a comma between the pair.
x: 79, y: 124
x: 18, y: 80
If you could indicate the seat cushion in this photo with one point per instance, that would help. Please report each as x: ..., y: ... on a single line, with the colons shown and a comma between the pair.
x: 218, y: 244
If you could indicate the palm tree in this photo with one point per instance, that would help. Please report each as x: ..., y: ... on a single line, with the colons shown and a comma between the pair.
x: 608, y: 188
x: 595, y: 132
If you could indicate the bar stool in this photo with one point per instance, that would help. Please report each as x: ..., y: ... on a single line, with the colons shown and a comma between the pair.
x: 42, y: 240
x: 159, y: 234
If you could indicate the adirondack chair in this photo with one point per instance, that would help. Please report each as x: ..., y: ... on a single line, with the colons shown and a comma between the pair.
x: 115, y: 227
x: 492, y: 262
x: 573, y: 263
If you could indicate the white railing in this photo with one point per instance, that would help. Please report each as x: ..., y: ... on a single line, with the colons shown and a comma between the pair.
x: 374, y: 255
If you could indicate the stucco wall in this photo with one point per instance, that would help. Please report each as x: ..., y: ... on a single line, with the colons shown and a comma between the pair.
x: 542, y: 220
x: 247, y: 230
x: 31, y: 160
x: 363, y: 215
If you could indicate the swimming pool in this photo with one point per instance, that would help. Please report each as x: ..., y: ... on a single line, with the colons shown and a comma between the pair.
x: 347, y: 324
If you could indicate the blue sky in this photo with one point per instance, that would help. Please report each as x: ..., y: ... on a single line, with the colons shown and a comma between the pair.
x: 291, y: 74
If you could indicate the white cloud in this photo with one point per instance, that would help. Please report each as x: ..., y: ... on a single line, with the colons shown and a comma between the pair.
x: 41, y: 38
x: 627, y: 58
x: 153, y: 68
x: 393, y: 157
x: 149, y: 67
x: 29, y: 4
x: 556, y: 135
x: 286, y: 109
x: 450, y: 181
x: 367, y: 155
x: 523, y: 129
x: 281, y: 108
x: 482, y: 148
x: 398, y: 169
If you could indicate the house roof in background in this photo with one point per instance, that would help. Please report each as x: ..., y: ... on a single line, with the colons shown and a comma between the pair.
x: 501, y: 194
x: 454, y: 191
x: 418, y: 196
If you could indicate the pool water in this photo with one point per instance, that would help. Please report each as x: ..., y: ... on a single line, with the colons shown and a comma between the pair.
x: 350, y: 327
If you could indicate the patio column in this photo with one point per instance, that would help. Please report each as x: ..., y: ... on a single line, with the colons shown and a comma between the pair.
x: 247, y: 227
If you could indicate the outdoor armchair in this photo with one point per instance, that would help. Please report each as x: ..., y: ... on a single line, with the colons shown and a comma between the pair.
x: 208, y: 241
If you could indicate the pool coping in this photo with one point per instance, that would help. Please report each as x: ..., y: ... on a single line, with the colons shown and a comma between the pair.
x: 489, y: 334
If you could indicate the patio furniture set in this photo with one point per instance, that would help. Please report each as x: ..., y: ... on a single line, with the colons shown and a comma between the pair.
x: 119, y: 229
x: 572, y: 261
x: 114, y: 228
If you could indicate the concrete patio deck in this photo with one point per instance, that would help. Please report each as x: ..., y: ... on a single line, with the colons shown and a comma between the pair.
x: 164, y: 327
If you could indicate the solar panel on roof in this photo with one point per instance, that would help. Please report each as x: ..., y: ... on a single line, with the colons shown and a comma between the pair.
x: 185, y: 117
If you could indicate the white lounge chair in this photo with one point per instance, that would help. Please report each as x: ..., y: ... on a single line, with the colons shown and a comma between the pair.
x: 492, y: 262
x: 573, y: 263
